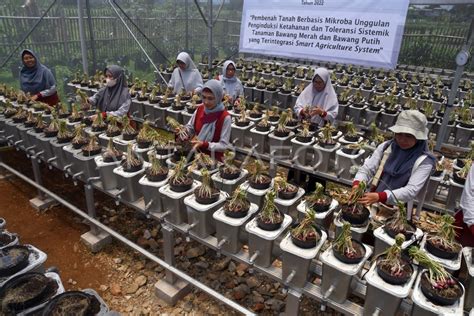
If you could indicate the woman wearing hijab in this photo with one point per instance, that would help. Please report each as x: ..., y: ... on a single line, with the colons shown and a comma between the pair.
x: 37, y: 80
x: 186, y: 76
x: 398, y: 168
x: 318, y: 101
x: 211, y: 122
x: 465, y: 216
x: 230, y: 83
x: 113, y: 99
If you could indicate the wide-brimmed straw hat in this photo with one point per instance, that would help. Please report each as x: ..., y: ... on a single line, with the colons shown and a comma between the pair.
x: 411, y: 122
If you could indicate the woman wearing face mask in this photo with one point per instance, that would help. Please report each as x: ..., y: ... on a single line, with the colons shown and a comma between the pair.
x: 398, y: 168
x: 113, y: 99
x: 186, y: 76
x: 231, y: 84
x: 211, y: 123
x: 37, y: 80
x: 318, y: 101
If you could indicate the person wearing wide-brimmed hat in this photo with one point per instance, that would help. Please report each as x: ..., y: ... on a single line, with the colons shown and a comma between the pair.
x: 398, y: 168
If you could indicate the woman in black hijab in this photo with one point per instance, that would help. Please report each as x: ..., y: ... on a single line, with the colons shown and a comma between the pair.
x: 113, y: 99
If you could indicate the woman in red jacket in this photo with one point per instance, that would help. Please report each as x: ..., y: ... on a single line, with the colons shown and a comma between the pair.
x: 465, y: 217
x: 211, y: 123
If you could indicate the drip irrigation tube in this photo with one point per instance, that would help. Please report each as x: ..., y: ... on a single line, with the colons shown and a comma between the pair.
x: 127, y: 242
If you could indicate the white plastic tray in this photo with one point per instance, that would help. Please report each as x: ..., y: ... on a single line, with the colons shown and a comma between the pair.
x: 295, y: 141
x: 272, y: 135
x: 359, y: 230
x: 453, y: 183
x: 339, y: 133
x: 243, y: 127
x: 253, y: 228
x: 60, y: 290
x: 329, y: 150
x: 144, y: 181
x: 217, y: 177
x: 99, y: 161
x: 328, y: 258
x: 141, y: 150
x: 13, y: 243
x: 343, y: 154
x: 35, y: 260
x: 467, y: 252
x: 451, y: 265
x: 287, y: 245
x: 302, y: 209
x: 119, y: 171
x: 166, y: 190
x: 283, y: 202
x: 382, y: 235
x: 198, y: 207
x: 246, y: 187
x: 254, y: 130
x: 375, y: 280
x: 420, y: 299
x: 219, y: 215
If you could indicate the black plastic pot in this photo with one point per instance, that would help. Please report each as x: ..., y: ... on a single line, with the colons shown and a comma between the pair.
x: 57, y: 305
x: 18, y: 120
x: 87, y: 121
x: 440, y: 253
x: 38, y: 129
x: 5, y: 238
x: 164, y: 104
x: 284, y: 195
x: 229, y: 176
x: 29, y: 124
x: 89, y: 153
x: 304, y: 139
x: 261, y: 128
x: 236, y: 214
x: 242, y: 123
x: 433, y: 296
x: 63, y: 140
x: 156, y: 177
x: 49, y: 134
x: 392, y: 233
x: 437, y: 173
x: 341, y: 257
x: 261, y: 186
x: 207, y: 200
x: 10, y: 265
x: 269, y: 226
x: 74, y: 120
x: 79, y: 145
x: 326, y: 145
x: 351, y: 138
x: 163, y: 151
x: 181, y: 187
x: 321, y: 207
x: 98, y: 128
x: 43, y: 286
x: 129, y: 136
x: 306, y: 244
x: 350, y: 151
x: 177, y: 108
x: 458, y: 179
x: 113, y: 134
x: 191, y: 110
x: 278, y: 133
x: 466, y: 125
x: 353, y: 218
x: 109, y: 158
x: 144, y: 144
x: 391, y: 279
x: 255, y: 115
x: 131, y: 169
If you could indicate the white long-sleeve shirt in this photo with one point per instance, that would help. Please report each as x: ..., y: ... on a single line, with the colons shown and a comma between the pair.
x: 404, y: 194
x: 467, y: 199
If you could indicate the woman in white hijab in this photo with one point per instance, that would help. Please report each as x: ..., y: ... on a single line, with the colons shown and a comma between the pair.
x: 186, y: 75
x: 230, y: 83
x: 318, y: 101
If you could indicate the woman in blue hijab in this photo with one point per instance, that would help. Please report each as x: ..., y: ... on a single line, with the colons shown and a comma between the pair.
x: 37, y: 80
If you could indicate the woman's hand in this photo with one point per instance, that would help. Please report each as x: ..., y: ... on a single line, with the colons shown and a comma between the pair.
x: 369, y: 198
x: 196, y: 143
x: 34, y: 97
x: 316, y: 111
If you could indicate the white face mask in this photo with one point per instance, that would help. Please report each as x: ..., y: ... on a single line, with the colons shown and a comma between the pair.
x: 110, y: 82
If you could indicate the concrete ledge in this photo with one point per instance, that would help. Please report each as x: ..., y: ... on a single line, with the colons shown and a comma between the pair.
x: 40, y: 204
x: 172, y: 293
x: 95, y: 243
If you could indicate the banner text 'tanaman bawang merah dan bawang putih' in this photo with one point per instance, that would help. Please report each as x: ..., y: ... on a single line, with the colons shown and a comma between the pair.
x: 362, y: 32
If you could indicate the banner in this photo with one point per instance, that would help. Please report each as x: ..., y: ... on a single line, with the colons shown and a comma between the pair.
x: 362, y: 32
